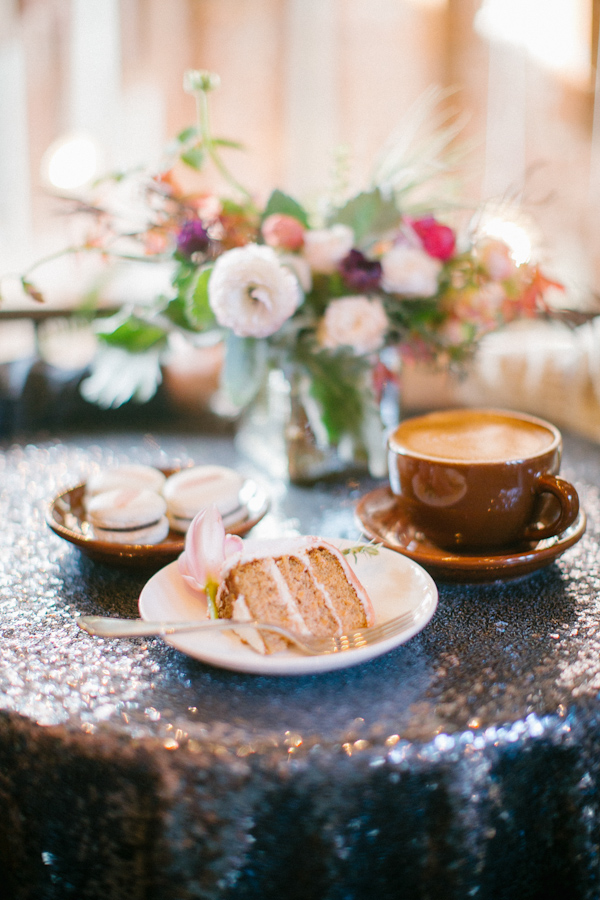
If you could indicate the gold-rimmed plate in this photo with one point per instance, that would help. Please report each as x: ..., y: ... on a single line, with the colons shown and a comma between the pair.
x: 67, y: 518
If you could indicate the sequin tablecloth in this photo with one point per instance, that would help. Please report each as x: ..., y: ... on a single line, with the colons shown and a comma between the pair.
x: 464, y: 763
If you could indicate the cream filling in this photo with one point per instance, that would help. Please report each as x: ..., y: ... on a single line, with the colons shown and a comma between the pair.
x: 326, y: 597
x: 287, y: 598
x: 125, y: 528
x: 237, y: 515
x: 249, y: 636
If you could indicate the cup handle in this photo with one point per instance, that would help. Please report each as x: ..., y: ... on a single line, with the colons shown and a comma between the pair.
x: 568, y: 498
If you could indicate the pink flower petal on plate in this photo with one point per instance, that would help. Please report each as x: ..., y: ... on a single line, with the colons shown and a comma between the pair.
x: 206, y: 548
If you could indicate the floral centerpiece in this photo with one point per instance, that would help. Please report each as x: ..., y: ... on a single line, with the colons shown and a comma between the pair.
x: 331, y: 299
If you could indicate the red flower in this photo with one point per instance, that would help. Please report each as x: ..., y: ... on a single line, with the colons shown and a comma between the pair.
x: 438, y: 240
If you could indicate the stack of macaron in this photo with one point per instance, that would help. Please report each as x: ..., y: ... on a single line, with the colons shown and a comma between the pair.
x: 190, y: 490
x: 139, y: 504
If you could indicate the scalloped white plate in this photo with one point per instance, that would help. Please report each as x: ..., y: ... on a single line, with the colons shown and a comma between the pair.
x: 394, y: 583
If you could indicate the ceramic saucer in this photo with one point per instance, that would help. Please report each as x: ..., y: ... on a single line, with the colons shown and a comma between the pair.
x: 67, y: 518
x: 383, y: 518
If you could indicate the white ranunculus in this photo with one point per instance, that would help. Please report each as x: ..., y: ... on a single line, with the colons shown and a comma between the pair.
x: 410, y: 271
x: 251, y: 293
x: 355, y: 322
x: 325, y: 248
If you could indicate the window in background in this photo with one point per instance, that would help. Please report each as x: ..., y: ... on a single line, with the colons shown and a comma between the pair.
x: 300, y: 79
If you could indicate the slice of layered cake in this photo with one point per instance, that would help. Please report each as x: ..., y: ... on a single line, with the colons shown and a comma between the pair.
x: 304, y: 584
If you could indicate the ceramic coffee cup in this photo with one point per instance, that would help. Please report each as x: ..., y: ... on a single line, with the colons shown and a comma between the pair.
x: 477, y: 478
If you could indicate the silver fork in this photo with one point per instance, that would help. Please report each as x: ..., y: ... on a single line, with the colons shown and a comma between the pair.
x: 104, y: 626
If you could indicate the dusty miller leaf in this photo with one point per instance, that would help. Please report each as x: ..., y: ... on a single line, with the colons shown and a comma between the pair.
x: 368, y: 214
x: 282, y: 203
x: 244, y: 369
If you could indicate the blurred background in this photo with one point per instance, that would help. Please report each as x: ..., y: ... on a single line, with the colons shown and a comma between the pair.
x: 96, y: 85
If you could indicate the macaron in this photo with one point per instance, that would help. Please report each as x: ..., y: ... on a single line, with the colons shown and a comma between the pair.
x: 129, y: 516
x: 190, y: 490
x: 129, y: 475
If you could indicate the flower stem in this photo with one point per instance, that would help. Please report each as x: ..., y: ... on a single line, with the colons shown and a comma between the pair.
x: 85, y: 248
x: 211, y: 589
x: 207, y: 142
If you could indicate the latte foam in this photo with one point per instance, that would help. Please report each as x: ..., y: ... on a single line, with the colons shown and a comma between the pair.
x: 468, y: 436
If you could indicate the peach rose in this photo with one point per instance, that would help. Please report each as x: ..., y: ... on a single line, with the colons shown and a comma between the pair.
x: 325, y: 248
x: 283, y: 232
x: 410, y: 271
x: 355, y: 322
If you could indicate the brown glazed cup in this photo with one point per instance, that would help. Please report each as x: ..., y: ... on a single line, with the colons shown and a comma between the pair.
x: 481, y: 478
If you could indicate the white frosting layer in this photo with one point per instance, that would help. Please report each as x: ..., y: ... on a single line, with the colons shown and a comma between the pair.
x: 148, y: 534
x: 248, y: 635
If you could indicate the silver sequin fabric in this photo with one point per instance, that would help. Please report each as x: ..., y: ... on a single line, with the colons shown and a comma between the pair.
x: 466, y: 757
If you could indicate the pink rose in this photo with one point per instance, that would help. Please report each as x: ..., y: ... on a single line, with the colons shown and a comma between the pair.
x: 437, y: 239
x: 283, y: 232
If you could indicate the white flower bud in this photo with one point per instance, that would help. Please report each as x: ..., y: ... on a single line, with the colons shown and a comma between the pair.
x: 200, y: 80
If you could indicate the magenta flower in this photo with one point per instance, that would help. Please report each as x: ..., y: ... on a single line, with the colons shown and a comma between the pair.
x: 438, y: 240
x: 360, y: 273
x: 192, y: 238
x: 207, y: 546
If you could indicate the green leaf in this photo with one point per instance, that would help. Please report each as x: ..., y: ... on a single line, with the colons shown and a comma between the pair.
x: 194, y: 158
x: 184, y: 276
x: 244, y: 369
x: 230, y: 207
x: 415, y: 315
x: 324, y: 289
x: 223, y: 142
x: 279, y: 202
x: 176, y: 312
x: 367, y: 214
x: 336, y: 385
x: 198, y: 307
x: 32, y: 291
x: 370, y: 549
x: 187, y: 134
x: 132, y: 334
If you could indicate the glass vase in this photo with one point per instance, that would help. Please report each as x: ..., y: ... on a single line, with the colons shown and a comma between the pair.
x: 283, y: 433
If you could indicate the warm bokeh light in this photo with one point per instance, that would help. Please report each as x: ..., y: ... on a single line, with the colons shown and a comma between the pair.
x: 71, y: 163
x: 513, y: 235
x: 430, y: 4
x: 554, y: 32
